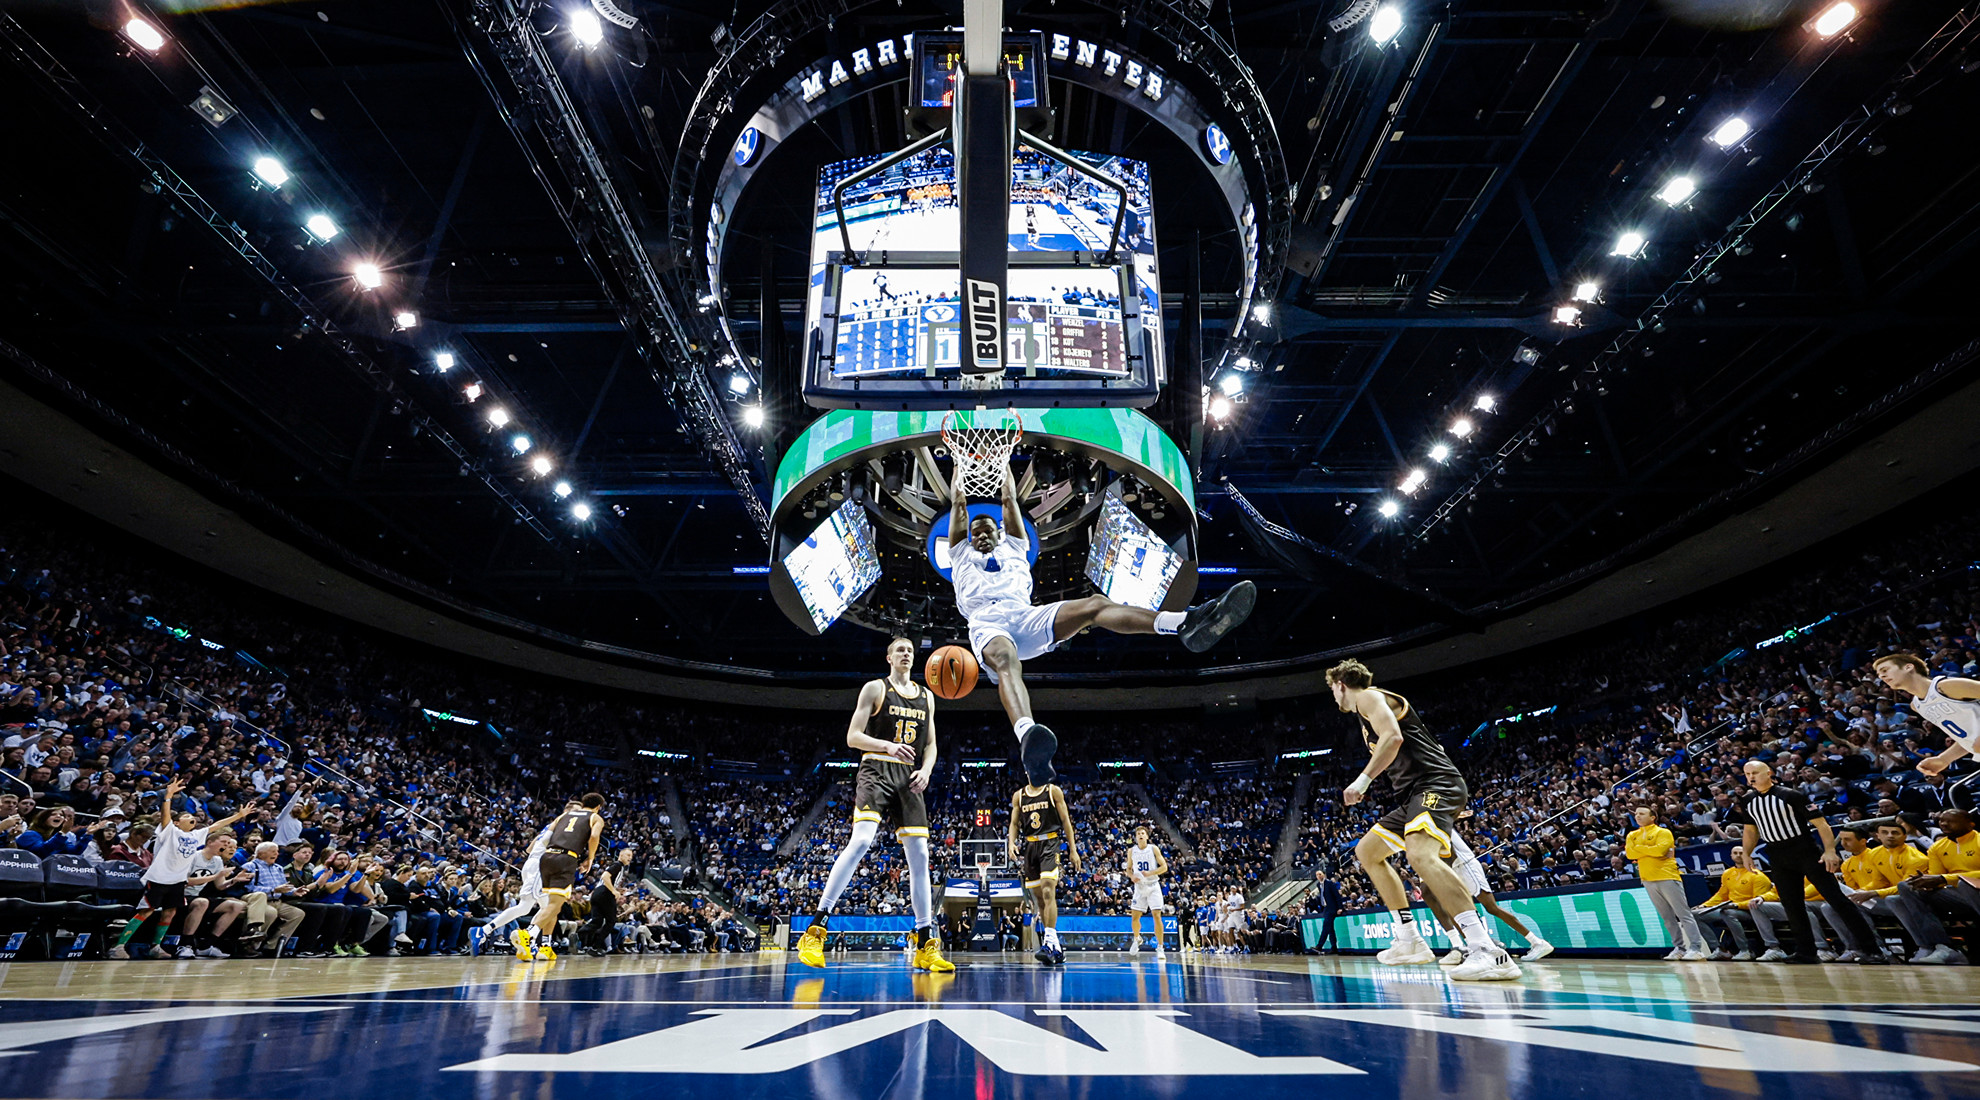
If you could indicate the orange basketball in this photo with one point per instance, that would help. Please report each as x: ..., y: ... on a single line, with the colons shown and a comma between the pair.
x: 951, y: 672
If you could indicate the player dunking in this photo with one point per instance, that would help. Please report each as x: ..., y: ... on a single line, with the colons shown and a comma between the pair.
x: 1431, y: 793
x: 580, y: 826
x: 1145, y: 868
x: 1040, y: 817
x: 902, y: 713
x: 992, y: 575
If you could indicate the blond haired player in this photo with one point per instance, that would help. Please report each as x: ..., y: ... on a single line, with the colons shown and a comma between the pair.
x: 1430, y: 792
x: 901, y: 714
x: 1145, y: 868
x: 1951, y: 703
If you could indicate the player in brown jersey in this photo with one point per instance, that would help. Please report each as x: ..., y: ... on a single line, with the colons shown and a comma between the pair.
x: 1430, y: 793
x: 567, y: 853
x: 893, y: 727
x: 1040, y: 819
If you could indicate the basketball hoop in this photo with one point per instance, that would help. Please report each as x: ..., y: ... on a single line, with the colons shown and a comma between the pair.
x: 980, y: 442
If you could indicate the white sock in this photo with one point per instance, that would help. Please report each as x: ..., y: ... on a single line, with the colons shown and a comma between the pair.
x: 918, y: 890
x: 1052, y: 935
x: 1168, y: 622
x: 1022, y: 726
x: 1405, y: 925
x: 1457, y: 938
x: 863, y: 833
x: 1475, y: 936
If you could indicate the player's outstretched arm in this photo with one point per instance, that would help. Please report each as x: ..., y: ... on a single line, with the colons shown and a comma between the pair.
x: 1374, y: 707
x: 958, y: 517
x: 1013, y: 515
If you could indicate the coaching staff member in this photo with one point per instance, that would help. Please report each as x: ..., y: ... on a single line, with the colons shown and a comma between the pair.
x: 1800, y: 848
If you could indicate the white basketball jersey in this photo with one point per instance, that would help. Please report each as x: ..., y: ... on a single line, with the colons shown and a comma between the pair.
x: 1959, y: 718
x: 1142, y: 860
x: 1001, y: 576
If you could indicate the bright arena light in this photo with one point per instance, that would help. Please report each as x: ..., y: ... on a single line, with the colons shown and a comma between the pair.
x: 1587, y: 292
x: 1220, y: 407
x: 1834, y: 18
x: 1262, y: 313
x: 368, y: 276
x: 1567, y: 315
x: 270, y: 171
x: 753, y: 416
x: 562, y: 489
x: 1461, y: 427
x: 1412, y: 482
x: 473, y: 392
x: 1388, y: 508
x: 580, y: 511
x: 1440, y: 453
x: 145, y: 35
x: 498, y: 416
x: 586, y: 27
x: 1678, y: 191
x: 321, y: 227
x: 1730, y: 132
x: 541, y: 465
x: 1485, y: 403
x: 739, y: 383
x: 443, y: 361
x: 1386, y: 24
x: 1231, y: 384
x: 522, y: 444
x: 1629, y: 245
x: 405, y: 319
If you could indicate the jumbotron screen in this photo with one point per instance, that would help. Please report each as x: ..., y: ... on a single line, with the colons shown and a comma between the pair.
x: 1061, y: 321
x: 1127, y: 561
x: 835, y: 565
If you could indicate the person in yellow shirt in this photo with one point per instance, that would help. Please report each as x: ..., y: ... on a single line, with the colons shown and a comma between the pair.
x: 1649, y: 846
x: 1950, y: 885
x: 1740, y: 884
x: 1870, y: 876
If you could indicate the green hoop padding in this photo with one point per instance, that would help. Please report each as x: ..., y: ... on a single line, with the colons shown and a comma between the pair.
x: 842, y: 433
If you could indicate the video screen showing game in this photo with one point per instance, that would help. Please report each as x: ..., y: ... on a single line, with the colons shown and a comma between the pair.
x: 1128, y: 562
x: 1062, y: 321
x: 835, y: 565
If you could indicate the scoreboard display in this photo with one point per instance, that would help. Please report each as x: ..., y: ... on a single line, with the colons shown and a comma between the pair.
x: 885, y: 336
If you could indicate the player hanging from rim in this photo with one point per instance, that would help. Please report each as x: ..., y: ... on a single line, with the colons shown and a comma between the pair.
x: 1472, y: 873
x: 992, y: 575
x: 530, y: 895
x: 1430, y: 792
x: 1145, y: 868
x: 887, y: 778
x: 579, y: 826
x: 1039, y: 815
x: 1951, y: 703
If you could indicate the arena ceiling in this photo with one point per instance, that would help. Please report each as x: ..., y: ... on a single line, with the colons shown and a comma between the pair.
x: 1446, y: 193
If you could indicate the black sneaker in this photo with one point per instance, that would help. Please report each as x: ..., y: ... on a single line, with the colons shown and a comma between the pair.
x: 1872, y: 959
x: 1037, y: 747
x: 1802, y: 960
x: 1043, y: 954
x: 1207, y: 623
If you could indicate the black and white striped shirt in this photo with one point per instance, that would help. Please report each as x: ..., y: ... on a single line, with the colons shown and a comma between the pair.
x: 1781, y: 814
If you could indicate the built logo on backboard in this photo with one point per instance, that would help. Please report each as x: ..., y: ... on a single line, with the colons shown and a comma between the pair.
x: 986, y: 310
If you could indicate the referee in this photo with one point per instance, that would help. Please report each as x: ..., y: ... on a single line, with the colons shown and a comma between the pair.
x: 1782, y: 819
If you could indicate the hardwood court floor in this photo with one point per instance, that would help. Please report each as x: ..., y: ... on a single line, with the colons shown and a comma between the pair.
x: 1104, y: 1026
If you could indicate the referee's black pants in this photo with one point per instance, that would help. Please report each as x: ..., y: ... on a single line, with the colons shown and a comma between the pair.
x: 1799, y: 861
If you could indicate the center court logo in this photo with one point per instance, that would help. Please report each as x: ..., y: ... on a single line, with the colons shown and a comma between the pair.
x: 1153, y: 1043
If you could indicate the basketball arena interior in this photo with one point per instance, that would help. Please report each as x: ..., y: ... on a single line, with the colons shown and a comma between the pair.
x: 951, y: 549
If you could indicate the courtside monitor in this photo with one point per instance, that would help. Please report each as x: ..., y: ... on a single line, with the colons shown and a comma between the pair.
x: 884, y: 324
x: 1128, y: 562
x: 834, y: 565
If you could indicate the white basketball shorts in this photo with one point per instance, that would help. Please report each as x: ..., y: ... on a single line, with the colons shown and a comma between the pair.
x: 1028, y: 626
x: 1472, y: 873
x: 1147, y: 897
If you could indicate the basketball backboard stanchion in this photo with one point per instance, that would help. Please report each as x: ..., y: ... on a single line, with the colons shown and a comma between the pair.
x: 983, y: 128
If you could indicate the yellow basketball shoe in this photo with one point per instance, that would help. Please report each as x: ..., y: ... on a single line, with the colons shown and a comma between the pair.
x: 811, y: 947
x: 520, y: 940
x: 543, y: 951
x: 929, y: 956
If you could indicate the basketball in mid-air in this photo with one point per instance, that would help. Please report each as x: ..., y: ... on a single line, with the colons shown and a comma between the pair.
x: 951, y: 672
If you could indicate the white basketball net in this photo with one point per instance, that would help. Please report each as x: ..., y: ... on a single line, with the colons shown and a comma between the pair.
x: 980, y: 443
